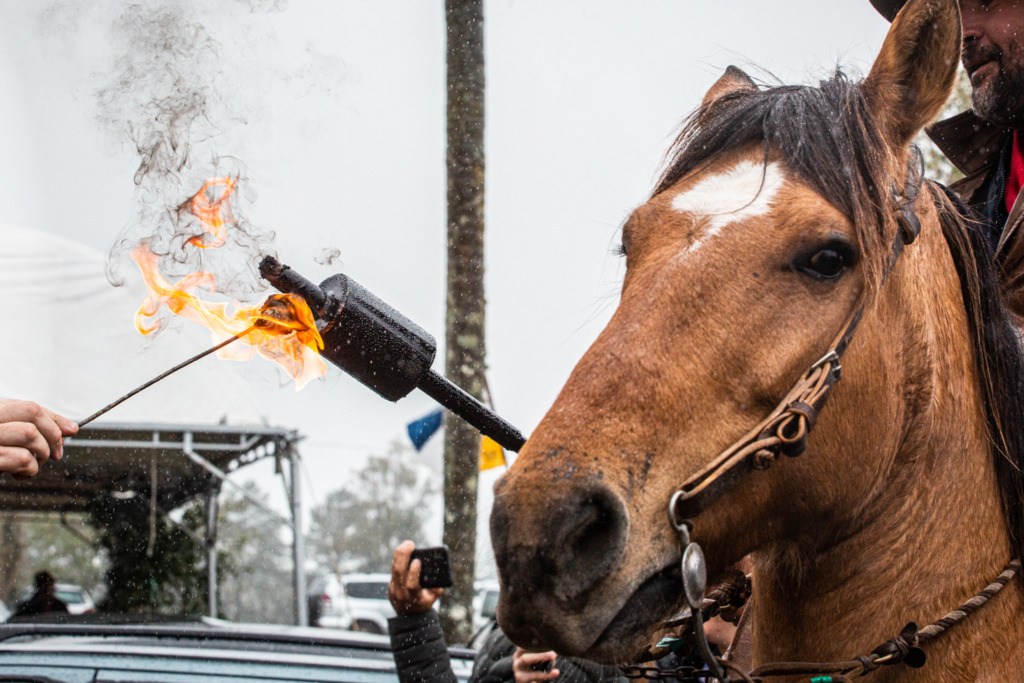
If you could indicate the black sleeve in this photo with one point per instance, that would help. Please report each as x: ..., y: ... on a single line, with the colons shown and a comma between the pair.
x: 493, y: 662
x: 583, y: 671
x: 421, y: 655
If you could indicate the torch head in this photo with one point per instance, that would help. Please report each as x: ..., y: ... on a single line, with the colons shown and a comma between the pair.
x: 362, y: 335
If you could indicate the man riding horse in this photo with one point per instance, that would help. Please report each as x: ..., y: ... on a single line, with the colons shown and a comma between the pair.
x: 984, y: 142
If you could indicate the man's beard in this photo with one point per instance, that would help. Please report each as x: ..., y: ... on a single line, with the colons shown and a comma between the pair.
x: 1000, y: 98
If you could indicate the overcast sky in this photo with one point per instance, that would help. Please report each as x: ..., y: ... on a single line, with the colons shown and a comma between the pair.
x: 334, y: 111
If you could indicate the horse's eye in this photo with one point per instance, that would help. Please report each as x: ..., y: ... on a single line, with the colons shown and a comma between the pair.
x: 826, y: 264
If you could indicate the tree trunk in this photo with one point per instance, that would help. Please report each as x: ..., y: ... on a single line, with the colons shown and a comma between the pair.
x: 464, y: 328
x: 10, y: 556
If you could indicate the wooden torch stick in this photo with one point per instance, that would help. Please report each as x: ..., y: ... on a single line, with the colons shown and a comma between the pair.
x: 159, y: 377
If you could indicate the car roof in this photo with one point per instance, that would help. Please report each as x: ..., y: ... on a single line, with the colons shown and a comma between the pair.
x: 375, y: 578
x: 208, y: 643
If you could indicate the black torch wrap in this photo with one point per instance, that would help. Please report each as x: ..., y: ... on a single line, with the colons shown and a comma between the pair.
x: 382, y: 348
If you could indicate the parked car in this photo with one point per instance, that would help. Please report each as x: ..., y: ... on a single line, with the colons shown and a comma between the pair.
x: 327, y: 604
x: 485, y: 612
x: 368, y: 601
x: 485, y: 603
x: 76, y: 598
x: 356, y: 601
x: 198, y: 651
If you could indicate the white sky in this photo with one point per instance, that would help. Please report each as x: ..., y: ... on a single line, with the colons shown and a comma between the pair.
x: 340, y: 110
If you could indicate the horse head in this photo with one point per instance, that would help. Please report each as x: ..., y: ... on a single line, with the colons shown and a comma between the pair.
x: 771, y: 224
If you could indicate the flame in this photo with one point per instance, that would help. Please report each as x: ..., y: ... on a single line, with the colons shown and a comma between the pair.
x: 212, y: 206
x: 281, y: 329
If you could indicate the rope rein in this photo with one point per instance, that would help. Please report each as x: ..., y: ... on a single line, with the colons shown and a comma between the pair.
x: 906, y: 648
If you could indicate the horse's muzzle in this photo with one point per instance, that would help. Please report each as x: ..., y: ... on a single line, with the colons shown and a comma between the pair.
x: 553, y: 551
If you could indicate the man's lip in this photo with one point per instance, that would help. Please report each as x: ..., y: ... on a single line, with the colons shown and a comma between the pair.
x: 972, y: 69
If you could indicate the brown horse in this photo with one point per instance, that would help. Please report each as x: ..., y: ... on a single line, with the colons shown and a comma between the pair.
x: 773, y: 220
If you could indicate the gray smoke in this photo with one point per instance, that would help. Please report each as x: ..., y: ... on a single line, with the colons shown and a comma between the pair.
x: 328, y: 256
x: 184, y: 81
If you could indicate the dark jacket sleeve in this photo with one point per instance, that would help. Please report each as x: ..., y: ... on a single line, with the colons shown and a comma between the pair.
x: 583, y: 671
x: 421, y: 655
x: 493, y: 663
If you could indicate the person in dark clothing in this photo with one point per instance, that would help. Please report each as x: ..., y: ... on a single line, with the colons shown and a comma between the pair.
x: 44, y: 600
x: 421, y: 654
x: 985, y: 142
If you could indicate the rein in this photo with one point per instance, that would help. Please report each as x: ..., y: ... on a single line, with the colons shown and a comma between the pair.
x: 905, y: 648
x: 784, y: 431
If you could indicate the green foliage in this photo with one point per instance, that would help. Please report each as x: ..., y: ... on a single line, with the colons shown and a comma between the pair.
x: 169, y: 577
x: 254, y: 562
x: 33, y: 542
x: 358, y: 526
x: 110, y: 547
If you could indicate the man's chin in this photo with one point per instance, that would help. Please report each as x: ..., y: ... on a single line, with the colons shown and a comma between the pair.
x: 998, y: 97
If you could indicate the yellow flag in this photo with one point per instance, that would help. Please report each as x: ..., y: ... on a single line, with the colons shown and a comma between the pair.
x: 491, y: 454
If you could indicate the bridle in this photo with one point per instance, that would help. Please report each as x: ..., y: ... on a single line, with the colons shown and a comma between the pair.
x: 784, y: 432
x: 785, y: 429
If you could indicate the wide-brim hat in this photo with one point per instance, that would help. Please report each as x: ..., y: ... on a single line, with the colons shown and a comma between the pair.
x: 888, y: 8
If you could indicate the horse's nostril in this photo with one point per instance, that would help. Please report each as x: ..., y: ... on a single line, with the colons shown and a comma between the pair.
x: 590, y: 531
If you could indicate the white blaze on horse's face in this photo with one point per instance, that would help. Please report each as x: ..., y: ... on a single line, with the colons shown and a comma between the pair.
x: 744, y: 191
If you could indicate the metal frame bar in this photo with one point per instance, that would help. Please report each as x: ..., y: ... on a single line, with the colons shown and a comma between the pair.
x: 298, y: 540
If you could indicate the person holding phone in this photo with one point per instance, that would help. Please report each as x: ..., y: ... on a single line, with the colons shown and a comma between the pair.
x: 421, y: 654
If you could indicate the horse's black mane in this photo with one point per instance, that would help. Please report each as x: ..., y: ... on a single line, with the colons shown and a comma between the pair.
x: 998, y: 353
x: 828, y: 136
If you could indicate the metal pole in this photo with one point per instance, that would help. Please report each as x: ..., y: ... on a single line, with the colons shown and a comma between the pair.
x: 298, y: 540
x: 211, y: 549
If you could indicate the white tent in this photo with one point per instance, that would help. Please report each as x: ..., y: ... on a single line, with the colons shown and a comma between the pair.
x: 70, y: 344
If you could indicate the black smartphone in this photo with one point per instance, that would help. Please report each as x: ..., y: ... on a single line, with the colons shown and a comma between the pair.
x: 544, y: 666
x: 436, y: 570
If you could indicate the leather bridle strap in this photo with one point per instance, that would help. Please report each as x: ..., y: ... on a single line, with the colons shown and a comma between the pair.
x: 786, y: 428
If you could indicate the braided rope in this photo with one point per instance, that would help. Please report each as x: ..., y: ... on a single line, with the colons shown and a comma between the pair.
x: 939, y: 627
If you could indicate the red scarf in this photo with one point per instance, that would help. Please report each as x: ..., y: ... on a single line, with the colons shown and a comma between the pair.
x: 1015, y: 178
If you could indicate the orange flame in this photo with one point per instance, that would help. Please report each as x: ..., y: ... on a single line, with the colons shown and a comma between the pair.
x: 212, y: 206
x: 281, y: 329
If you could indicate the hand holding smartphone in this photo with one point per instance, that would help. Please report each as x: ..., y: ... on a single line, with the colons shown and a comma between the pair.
x: 544, y: 666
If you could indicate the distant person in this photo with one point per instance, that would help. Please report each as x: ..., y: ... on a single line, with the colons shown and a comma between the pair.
x: 44, y: 601
x: 421, y: 654
x: 29, y: 436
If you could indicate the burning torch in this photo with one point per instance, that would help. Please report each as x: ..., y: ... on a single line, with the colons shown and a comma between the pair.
x: 338, y: 320
x: 382, y: 348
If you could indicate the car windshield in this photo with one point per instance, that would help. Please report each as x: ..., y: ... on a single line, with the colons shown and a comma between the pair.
x: 490, y: 605
x: 70, y: 597
x: 367, y: 589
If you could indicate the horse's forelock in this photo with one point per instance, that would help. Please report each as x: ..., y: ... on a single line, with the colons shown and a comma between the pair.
x: 826, y: 135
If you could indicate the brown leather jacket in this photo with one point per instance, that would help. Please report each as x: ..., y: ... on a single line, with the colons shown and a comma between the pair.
x: 974, y: 146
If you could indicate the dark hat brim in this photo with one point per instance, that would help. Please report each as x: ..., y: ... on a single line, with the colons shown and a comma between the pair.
x: 888, y: 8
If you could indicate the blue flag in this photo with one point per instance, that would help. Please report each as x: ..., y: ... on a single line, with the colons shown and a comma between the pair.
x: 422, y: 429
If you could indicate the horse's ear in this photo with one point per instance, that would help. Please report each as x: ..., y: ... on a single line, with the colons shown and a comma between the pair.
x: 733, y: 80
x: 913, y: 75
